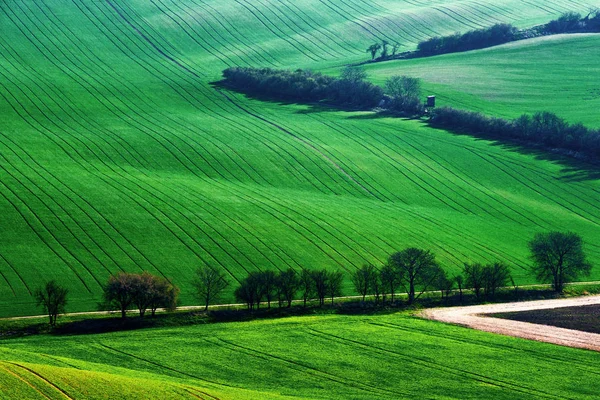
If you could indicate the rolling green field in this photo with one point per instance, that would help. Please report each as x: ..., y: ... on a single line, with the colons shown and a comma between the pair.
x: 116, y: 153
x: 322, y: 357
x: 555, y: 73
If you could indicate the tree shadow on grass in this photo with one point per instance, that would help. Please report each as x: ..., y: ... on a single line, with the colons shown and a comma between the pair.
x: 573, y: 168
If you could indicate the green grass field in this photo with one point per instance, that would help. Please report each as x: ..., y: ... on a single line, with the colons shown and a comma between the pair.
x: 116, y: 153
x: 323, y: 357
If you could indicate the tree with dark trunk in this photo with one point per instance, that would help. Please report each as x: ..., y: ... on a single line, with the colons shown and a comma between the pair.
x: 474, y: 277
x: 558, y: 257
x: 268, y: 281
x: 209, y: 284
x: 162, y: 294
x: 496, y: 275
x: 142, y: 288
x: 287, y: 285
x: 119, y: 292
x: 53, y: 298
x: 320, y: 284
x: 306, y: 285
x: 362, y: 279
x: 459, y: 279
x: 373, y: 49
x: 334, y: 284
x: 389, y: 279
x: 417, y: 270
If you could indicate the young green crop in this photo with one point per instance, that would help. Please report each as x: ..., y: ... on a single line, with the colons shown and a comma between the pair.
x: 116, y: 153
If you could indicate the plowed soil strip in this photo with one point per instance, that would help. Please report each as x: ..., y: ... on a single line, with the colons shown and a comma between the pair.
x: 475, y: 317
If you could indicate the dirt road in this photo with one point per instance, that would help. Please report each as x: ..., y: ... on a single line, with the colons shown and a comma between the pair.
x: 475, y: 317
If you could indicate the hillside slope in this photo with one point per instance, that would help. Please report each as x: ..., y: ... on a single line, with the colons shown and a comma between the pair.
x: 116, y: 153
x: 321, y: 357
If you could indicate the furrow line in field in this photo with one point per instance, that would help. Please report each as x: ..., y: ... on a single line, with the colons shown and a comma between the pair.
x: 552, y: 182
x: 233, y: 31
x: 14, y: 270
x: 41, y: 377
x: 270, y: 26
x: 311, y: 181
x: 197, y: 37
x: 469, y: 183
x: 70, y: 198
x: 304, y: 142
x: 163, y: 366
x: 64, y: 98
x: 305, y: 34
x: 19, y: 88
x: 453, y: 15
x: 423, y: 167
x: 122, y: 15
x: 20, y: 378
x: 58, y: 216
x: 217, y: 36
x: 305, y: 368
x: 372, y: 19
x: 538, y: 190
x: 350, y: 20
x: 322, y: 28
x: 418, y: 216
x: 203, y: 203
x: 544, y: 356
x: 349, y: 16
x: 456, y: 371
x: 156, y: 110
x: 190, y: 390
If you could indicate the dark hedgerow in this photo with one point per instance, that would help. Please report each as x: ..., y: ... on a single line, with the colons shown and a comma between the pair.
x: 304, y: 86
x: 475, y: 39
x: 543, y: 128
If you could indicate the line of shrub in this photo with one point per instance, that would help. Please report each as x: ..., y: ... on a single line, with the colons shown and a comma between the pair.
x: 543, y: 129
x: 305, y: 86
x: 475, y: 39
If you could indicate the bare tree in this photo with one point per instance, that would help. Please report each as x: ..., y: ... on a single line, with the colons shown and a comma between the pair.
x: 142, y: 288
x: 119, y: 292
x: 362, y: 279
x: 417, y: 269
x: 320, y: 283
x: 459, y: 282
x: 558, y: 257
x: 373, y: 49
x: 268, y: 281
x: 306, y: 285
x: 209, y: 284
x: 474, y: 277
x: 53, y: 298
x: 334, y: 284
x: 287, y: 285
x: 496, y: 275
x: 389, y: 279
x: 162, y: 294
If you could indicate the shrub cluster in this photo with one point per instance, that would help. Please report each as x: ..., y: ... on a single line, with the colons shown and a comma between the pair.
x: 475, y: 39
x: 304, y: 86
x: 402, y: 93
x: 571, y: 22
x: 283, y: 286
x: 542, y: 128
x: 144, y: 291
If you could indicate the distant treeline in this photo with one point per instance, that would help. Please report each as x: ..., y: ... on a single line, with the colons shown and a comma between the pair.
x: 475, y: 39
x: 305, y: 86
x: 403, y: 94
x: 542, y: 128
x: 570, y: 22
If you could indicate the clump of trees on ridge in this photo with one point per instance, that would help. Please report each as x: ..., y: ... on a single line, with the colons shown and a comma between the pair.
x: 557, y: 258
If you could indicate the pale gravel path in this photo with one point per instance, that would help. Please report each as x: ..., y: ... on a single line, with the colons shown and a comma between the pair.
x: 474, y: 317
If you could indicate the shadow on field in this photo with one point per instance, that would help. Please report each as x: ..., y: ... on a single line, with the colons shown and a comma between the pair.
x: 573, y: 168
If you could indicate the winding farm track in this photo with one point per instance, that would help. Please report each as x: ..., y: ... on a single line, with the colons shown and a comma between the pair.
x: 475, y: 317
